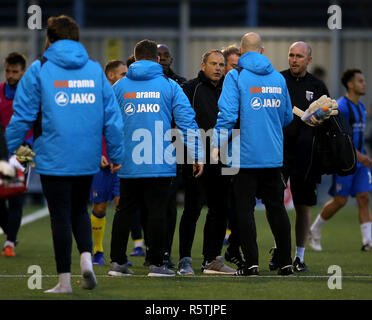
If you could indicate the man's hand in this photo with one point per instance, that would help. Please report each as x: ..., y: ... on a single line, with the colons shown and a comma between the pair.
x: 104, y: 162
x: 115, y: 167
x: 6, y: 169
x: 197, y: 169
x: 364, y: 160
x: 214, y: 154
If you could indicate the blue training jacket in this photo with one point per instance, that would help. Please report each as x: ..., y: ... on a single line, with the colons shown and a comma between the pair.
x: 72, y: 104
x: 259, y: 94
x: 147, y: 100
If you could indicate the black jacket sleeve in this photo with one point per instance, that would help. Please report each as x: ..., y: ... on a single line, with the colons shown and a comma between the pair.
x: 189, y: 89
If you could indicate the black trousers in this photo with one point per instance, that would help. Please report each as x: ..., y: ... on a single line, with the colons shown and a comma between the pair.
x: 213, y: 188
x: 67, y: 199
x: 171, y: 216
x: 234, y: 241
x: 266, y: 184
x: 172, y: 211
x: 136, y: 229
x: 151, y: 196
x: 11, y: 216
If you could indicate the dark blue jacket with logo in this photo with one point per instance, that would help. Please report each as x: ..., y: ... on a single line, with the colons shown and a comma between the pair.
x: 68, y: 99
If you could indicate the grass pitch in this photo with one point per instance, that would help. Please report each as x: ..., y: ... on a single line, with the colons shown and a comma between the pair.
x: 341, y: 246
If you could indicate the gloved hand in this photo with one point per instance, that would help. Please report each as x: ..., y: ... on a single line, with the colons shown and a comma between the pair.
x: 318, y: 111
x: 6, y: 169
x: 25, y: 155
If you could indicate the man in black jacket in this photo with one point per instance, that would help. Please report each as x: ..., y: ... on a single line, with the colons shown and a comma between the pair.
x: 303, y: 88
x: 166, y: 59
x: 203, y: 93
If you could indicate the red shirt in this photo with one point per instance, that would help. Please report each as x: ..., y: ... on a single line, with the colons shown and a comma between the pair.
x: 6, y: 109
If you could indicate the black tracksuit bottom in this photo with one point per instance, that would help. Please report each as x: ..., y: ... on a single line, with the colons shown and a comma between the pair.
x: 67, y: 199
x: 266, y: 184
x: 213, y: 188
x: 171, y: 216
x: 151, y: 196
x: 11, y: 216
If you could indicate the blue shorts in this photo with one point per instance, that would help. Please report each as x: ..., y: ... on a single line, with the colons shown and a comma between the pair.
x: 105, y: 186
x: 352, y: 184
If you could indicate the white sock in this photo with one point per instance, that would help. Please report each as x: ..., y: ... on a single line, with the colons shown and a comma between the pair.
x: 86, y: 262
x: 317, y: 225
x: 300, y: 252
x: 366, y: 232
x: 8, y: 243
x: 64, y: 284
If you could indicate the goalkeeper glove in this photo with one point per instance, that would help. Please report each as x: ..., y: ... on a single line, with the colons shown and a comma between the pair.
x: 25, y: 155
x: 318, y: 111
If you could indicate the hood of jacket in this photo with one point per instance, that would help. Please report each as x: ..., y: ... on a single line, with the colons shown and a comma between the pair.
x: 67, y: 54
x: 144, y: 70
x: 256, y: 63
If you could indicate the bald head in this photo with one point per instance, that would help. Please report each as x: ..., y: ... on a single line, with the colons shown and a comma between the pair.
x: 163, y: 47
x: 303, y: 46
x: 251, y: 42
x: 299, y: 57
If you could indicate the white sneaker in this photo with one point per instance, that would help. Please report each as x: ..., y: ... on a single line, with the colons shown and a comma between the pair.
x: 314, y: 242
x: 367, y: 246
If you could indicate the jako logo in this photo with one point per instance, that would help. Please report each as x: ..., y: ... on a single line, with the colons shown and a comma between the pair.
x: 256, y: 103
x: 83, y: 98
x: 129, y: 109
x: 148, y: 107
x: 61, y: 98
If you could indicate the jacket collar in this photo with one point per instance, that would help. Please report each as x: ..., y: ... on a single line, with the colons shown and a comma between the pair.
x: 288, y: 71
x: 202, y: 77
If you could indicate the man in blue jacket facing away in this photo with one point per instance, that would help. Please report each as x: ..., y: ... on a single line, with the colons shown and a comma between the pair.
x: 70, y: 103
x: 255, y: 95
x: 148, y: 100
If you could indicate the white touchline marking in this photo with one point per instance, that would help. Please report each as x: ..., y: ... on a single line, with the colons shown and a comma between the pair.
x: 33, y: 217
x: 190, y: 277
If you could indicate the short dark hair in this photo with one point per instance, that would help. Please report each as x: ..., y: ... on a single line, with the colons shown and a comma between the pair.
x: 206, y: 55
x: 113, y: 64
x: 230, y: 50
x: 348, y: 75
x: 16, y: 58
x: 62, y: 27
x: 146, y: 50
x: 130, y: 60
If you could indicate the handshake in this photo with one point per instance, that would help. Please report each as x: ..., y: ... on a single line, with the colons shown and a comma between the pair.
x: 318, y: 111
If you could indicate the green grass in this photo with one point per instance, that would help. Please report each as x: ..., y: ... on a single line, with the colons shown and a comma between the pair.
x: 341, y: 246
